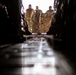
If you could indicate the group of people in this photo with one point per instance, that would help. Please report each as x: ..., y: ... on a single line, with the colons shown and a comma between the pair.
x: 33, y: 18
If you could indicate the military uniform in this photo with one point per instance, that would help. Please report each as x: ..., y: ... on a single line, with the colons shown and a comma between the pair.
x: 37, y: 20
x: 28, y: 18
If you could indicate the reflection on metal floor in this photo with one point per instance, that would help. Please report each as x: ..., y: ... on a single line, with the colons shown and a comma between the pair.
x: 33, y: 57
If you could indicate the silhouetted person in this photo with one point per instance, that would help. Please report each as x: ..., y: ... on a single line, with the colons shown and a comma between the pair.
x: 50, y: 11
x: 50, y: 14
x: 28, y: 17
x: 37, y: 20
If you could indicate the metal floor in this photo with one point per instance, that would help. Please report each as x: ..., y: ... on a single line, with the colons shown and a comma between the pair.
x: 33, y: 57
